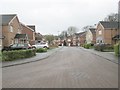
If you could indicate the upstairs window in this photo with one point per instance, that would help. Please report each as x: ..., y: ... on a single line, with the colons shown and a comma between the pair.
x: 18, y: 31
x: 100, y: 32
x: 11, y: 28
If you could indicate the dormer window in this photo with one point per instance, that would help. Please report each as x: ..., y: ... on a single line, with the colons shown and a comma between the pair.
x: 11, y: 28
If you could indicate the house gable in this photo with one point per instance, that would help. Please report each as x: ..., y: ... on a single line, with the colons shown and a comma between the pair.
x: 11, y: 27
x: 30, y: 32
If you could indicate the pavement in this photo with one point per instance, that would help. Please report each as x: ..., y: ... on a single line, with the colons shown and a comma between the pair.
x: 38, y: 57
x: 106, y: 55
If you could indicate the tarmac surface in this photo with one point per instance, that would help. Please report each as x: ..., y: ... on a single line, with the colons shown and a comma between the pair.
x: 67, y: 67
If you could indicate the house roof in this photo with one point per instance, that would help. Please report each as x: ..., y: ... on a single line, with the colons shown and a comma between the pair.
x: 7, y: 18
x: 23, y: 25
x: 82, y: 34
x: 20, y: 35
x: 32, y: 27
x: 109, y: 24
x: 79, y: 34
x: 93, y: 30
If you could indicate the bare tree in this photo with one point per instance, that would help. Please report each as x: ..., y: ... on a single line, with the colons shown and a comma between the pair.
x: 111, y: 17
x: 72, y: 30
x: 63, y: 34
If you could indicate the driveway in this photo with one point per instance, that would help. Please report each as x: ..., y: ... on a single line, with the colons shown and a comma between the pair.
x: 70, y: 67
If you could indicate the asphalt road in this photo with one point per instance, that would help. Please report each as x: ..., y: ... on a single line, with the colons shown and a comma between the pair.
x: 70, y: 67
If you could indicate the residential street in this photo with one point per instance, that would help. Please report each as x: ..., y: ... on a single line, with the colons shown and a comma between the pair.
x: 70, y: 67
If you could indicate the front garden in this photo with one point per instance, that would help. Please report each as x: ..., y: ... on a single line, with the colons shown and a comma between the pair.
x: 104, y: 48
x: 22, y: 54
x: 17, y: 54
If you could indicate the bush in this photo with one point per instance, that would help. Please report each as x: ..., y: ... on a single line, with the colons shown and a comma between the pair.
x: 87, y: 46
x: 0, y: 56
x: 41, y: 50
x: 99, y: 47
x: 104, y: 47
x: 116, y: 49
x: 17, y: 54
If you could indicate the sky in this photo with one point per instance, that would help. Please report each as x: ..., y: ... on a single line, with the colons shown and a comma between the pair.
x: 55, y: 16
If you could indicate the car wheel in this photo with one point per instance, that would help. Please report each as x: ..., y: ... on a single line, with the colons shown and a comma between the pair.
x: 45, y: 47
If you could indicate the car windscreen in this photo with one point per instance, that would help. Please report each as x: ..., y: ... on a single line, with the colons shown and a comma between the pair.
x: 20, y: 45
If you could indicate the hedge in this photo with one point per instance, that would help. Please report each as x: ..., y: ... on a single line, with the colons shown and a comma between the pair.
x: 87, y: 46
x: 41, y: 50
x: 17, y: 54
x: 0, y: 56
x: 116, y: 49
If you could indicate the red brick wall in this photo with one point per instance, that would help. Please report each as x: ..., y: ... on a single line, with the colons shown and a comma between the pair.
x: 30, y: 33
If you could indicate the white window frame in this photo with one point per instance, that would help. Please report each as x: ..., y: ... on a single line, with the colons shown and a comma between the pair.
x: 11, y: 28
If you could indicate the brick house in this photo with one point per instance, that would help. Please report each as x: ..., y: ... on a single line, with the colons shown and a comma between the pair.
x: 76, y: 41
x: 106, y: 31
x: 29, y: 30
x: 82, y: 38
x: 10, y: 27
x: 38, y: 37
x: 1, y: 37
x: 91, y: 36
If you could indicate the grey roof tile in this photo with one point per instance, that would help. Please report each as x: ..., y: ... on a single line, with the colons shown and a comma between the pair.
x: 7, y: 18
x: 112, y: 24
x: 93, y: 30
x: 32, y: 27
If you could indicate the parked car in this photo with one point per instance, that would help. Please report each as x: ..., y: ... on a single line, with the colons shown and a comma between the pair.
x: 41, y: 45
x: 17, y: 47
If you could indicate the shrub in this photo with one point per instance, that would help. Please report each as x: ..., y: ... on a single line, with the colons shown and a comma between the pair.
x: 116, y: 49
x: 17, y: 54
x: 41, y: 50
x: 87, y: 46
x: 104, y: 47
x: 0, y: 56
x: 99, y: 47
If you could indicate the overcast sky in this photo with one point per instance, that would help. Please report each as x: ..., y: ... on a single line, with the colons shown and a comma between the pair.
x: 53, y: 16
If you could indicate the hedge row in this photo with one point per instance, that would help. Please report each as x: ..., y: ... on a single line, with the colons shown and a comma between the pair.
x: 104, y: 48
x: 17, y: 54
x: 88, y: 46
x: 0, y: 56
x: 41, y: 50
x: 116, y: 49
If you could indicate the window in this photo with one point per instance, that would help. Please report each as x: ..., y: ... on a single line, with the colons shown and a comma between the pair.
x: 100, y: 32
x: 11, y: 28
x: 19, y: 31
x: 16, y: 40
